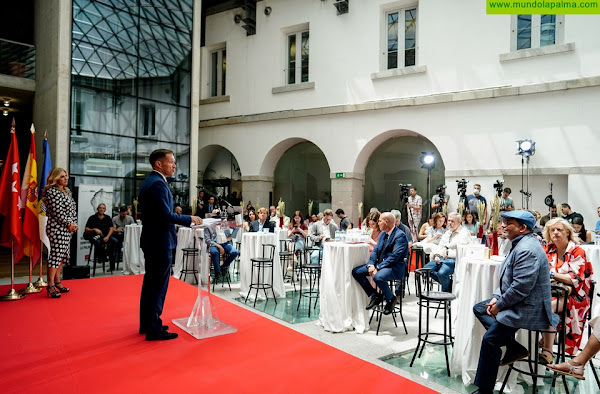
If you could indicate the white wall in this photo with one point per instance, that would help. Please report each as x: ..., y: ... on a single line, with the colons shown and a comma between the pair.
x: 457, y: 41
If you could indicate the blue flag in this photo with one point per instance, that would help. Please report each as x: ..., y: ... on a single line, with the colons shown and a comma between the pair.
x: 47, y: 165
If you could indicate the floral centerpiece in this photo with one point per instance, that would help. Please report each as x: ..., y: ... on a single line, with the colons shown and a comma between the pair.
x: 281, y: 207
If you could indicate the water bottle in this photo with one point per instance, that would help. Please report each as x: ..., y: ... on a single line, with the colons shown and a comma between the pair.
x: 337, y: 236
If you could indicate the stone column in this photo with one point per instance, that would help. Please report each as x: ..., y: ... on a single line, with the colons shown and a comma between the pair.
x: 256, y: 188
x: 195, y: 104
x: 51, y: 111
x: 346, y: 193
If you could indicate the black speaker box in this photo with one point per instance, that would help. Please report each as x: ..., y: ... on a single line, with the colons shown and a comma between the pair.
x: 76, y: 272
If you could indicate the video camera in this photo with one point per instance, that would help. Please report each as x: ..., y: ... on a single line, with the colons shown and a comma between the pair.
x: 461, y: 189
x: 498, y: 186
x: 405, y: 191
x: 440, y: 191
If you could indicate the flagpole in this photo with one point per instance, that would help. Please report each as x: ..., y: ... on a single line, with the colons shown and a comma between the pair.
x: 41, y: 282
x: 30, y: 289
x: 12, y: 294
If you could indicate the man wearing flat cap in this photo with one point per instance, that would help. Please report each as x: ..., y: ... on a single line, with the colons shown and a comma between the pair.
x: 523, y: 300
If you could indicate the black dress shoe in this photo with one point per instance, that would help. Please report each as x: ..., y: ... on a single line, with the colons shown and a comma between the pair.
x: 375, y: 300
x: 483, y: 391
x: 163, y: 328
x: 389, y: 306
x: 514, y: 352
x: 162, y: 336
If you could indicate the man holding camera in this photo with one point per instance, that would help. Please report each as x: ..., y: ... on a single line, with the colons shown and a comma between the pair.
x: 413, y: 208
x: 439, y: 199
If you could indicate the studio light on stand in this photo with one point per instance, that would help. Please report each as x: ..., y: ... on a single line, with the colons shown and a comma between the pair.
x: 428, y: 161
x: 525, y: 148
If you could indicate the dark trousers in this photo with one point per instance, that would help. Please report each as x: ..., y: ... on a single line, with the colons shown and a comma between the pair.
x: 154, y: 289
x: 111, y: 248
x: 216, y: 257
x: 381, y: 278
x: 441, y: 272
x: 497, y: 335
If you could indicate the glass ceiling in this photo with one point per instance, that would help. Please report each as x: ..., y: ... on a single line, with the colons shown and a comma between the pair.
x: 125, y: 39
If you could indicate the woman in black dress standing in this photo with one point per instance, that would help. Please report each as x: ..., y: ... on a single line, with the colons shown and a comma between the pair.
x: 62, y: 223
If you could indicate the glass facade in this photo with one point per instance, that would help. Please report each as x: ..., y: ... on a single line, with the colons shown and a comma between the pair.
x: 398, y: 161
x: 130, y: 92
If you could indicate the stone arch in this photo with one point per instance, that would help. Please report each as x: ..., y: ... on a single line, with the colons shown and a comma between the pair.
x: 225, y: 178
x: 274, y: 154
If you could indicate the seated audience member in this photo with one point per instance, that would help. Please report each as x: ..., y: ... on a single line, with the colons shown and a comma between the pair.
x: 597, y: 230
x: 178, y: 210
x: 434, y: 233
x: 373, y: 231
x: 568, y: 213
x: 250, y: 218
x: 344, y: 221
x: 580, y: 231
x: 504, y: 244
x: 286, y: 219
x: 444, y: 255
x: 365, y: 222
x: 298, y: 231
x: 249, y: 206
x: 385, y: 263
x: 551, y: 215
x: 212, y: 207
x: 273, y: 214
x: 320, y: 232
x: 568, y: 266
x: 522, y: 300
x: 576, y: 366
x: 424, y: 227
x: 120, y: 221
x: 99, y: 229
x: 536, y: 229
x: 219, y: 247
x: 312, y: 220
x: 262, y: 222
x: 402, y: 226
x: 470, y: 222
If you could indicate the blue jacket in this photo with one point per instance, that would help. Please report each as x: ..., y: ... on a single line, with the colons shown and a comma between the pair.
x: 524, y: 297
x: 268, y: 224
x: 156, y: 202
x: 394, y: 253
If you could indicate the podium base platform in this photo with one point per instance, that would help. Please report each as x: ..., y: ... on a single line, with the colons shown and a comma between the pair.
x: 202, y: 331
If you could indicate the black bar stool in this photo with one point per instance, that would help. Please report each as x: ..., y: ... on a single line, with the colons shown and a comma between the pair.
x: 287, y: 249
x: 533, y: 338
x: 94, y: 251
x: 185, y: 270
x: 425, y: 297
x: 419, y: 254
x: 262, y: 263
x: 378, y: 309
x: 224, y: 273
x: 313, y: 271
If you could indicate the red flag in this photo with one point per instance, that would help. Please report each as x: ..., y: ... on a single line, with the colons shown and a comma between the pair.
x: 31, y: 226
x: 12, y: 227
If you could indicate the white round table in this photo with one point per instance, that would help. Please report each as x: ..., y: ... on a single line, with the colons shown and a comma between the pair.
x: 342, y: 299
x: 133, y: 257
x: 252, y: 247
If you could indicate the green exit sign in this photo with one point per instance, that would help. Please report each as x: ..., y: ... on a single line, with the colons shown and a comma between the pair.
x: 340, y: 174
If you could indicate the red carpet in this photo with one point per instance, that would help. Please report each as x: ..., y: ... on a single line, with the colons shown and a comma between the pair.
x: 87, y: 342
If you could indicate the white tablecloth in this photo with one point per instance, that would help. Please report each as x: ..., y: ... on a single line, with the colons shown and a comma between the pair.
x: 133, y: 257
x: 479, y: 279
x: 186, y: 239
x: 592, y: 253
x: 342, y: 300
x: 252, y: 247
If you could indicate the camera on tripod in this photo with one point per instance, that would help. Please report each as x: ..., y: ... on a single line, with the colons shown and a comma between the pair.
x: 440, y: 191
x: 498, y: 186
x: 405, y: 191
x: 461, y: 186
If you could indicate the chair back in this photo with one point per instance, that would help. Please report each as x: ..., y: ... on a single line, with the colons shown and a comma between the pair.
x: 268, y: 251
x: 286, y: 245
x: 422, y: 281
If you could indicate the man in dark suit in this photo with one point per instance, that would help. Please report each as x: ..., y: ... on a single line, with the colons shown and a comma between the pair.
x: 262, y: 222
x: 523, y: 300
x: 386, y: 263
x: 157, y: 240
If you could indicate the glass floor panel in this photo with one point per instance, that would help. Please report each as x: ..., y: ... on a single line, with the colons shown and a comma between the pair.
x: 285, y: 309
x: 432, y: 366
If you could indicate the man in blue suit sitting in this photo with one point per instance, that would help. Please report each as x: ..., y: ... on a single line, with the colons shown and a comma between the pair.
x: 523, y: 300
x: 262, y: 223
x: 386, y: 263
x: 218, y: 247
x: 157, y: 240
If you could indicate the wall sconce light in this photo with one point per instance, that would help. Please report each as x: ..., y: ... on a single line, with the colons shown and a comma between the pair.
x: 268, y: 11
x: 237, y: 18
x: 5, y: 112
x: 6, y: 103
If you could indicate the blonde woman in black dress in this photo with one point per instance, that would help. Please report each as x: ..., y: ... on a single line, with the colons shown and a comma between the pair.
x: 62, y: 223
